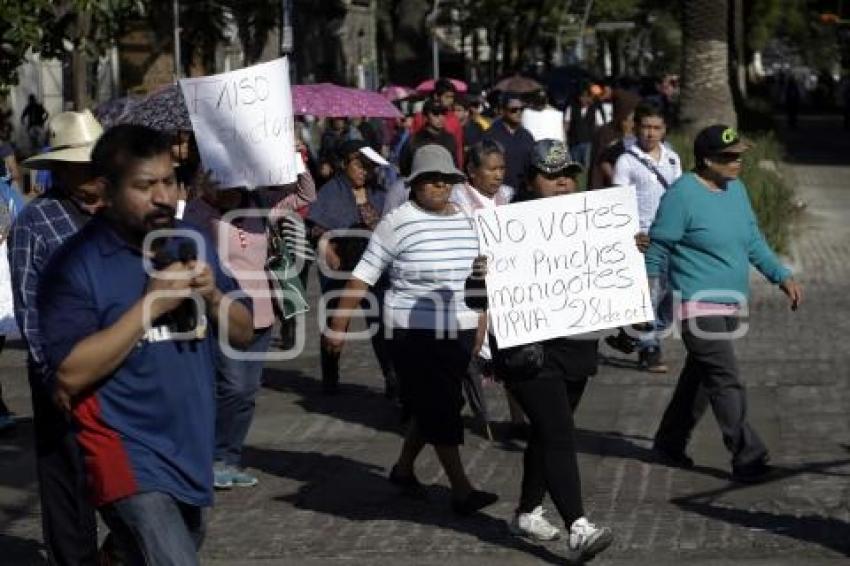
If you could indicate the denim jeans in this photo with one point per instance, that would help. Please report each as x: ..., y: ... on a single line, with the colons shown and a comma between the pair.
x: 237, y: 385
x: 154, y: 529
x: 661, y: 297
x: 580, y: 153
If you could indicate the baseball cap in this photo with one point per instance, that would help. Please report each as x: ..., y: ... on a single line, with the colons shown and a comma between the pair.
x: 551, y: 156
x: 351, y: 147
x: 717, y: 139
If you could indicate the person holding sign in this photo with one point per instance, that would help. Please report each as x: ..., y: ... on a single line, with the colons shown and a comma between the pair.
x: 428, y: 246
x: 547, y: 379
x: 706, y: 230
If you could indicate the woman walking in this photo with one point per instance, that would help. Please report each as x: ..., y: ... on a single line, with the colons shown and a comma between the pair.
x: 427, y: 245
x: 547, y: 380
x: 351, y: 200
x: 706, y: 229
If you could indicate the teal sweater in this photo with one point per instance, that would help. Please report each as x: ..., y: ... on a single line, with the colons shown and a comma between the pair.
x: 710, y: 239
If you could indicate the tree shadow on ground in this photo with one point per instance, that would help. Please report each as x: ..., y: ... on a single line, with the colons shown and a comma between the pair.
x: 355, y: 403
x: 828, y: 532
x: 357, y: 491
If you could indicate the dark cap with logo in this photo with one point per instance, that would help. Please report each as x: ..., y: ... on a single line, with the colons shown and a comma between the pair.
x: 552, y: 156
x: 718, y: 139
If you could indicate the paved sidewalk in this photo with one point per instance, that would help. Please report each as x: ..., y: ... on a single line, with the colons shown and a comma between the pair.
x: 322, y: 462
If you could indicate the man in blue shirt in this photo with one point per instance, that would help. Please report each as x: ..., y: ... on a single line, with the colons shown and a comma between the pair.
x: 517, y: 141
x: 135, y: 362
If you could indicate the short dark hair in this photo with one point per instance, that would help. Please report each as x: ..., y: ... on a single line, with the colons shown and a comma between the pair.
x: 475, y: 154
x: 443, y: 85
x: 648, y: 110
x: 124, y: 144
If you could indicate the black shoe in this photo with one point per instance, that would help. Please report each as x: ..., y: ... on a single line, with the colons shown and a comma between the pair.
x: 621, y: 342
x: 475, y: 501
x: 409, y: 485
x: 672, y: 458
x: 651, y: 361
x: 757, y: 472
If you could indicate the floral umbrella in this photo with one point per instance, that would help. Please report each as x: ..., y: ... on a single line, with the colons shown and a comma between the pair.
x: 114, y: 111
x: 164, y: 110
x: 330, y: 100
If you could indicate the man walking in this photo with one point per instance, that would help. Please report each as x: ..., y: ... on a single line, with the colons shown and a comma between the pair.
x: 434, y: 132
x: 131, y: 350
x: 68, y: 520
x: 517, y: 141
x: 444, y: 94
x: 651, y: 166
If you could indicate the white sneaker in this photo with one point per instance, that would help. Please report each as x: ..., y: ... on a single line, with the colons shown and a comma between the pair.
x: 587, y: 540
x: 533, y: 525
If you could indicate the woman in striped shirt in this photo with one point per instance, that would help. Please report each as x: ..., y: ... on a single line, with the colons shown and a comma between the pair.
x: 427, y: 245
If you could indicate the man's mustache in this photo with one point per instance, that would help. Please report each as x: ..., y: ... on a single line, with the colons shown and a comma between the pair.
x: 162, y: 211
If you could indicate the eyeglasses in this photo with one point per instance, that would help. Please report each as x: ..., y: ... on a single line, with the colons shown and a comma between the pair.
x: 515, y: 109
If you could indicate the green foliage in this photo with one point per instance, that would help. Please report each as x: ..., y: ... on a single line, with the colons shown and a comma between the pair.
x: 51, y: 28
x: 770, y: 193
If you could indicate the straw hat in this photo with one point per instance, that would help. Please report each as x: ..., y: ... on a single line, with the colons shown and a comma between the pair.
x: 71, y: 136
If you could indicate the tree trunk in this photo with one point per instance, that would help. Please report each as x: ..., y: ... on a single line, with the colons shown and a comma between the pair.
x: 706, y: 98
x: 80, y: 62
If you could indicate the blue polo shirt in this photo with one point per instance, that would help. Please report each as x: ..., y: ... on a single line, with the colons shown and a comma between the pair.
x: 149, y: 426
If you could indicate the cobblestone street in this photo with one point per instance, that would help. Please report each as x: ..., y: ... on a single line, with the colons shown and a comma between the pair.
x: 323, y: 496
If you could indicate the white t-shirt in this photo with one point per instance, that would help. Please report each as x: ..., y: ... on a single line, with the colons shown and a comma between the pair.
x: 631, y: 170
x: 546, y: 124
x: 429, y: 257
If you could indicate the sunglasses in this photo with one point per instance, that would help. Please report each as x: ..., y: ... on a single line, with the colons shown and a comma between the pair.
x: 436, y: 180
x: 728, y: 157
x: 562, y: 174
x: 515, y: 109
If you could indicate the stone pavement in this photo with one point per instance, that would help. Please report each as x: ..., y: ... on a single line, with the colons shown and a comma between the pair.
x: 322, y: 462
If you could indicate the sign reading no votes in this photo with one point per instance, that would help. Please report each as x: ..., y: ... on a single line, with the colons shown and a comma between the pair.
x: 243, y: 124
x: 563, y: 265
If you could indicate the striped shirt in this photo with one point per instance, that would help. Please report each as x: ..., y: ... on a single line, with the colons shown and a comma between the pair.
x: 631, y: 170
x: 429, y: 257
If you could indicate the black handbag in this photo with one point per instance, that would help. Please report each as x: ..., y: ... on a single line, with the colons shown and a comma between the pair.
x: 518, y: 362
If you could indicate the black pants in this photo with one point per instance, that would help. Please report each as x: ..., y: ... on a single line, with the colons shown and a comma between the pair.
x: 711, y: 363
x: 549, y: 462
x: 68, y: 518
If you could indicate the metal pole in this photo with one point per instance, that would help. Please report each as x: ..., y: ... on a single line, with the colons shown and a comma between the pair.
x: 176, y: 8
x: 580, y: 45
x: 435, y: 46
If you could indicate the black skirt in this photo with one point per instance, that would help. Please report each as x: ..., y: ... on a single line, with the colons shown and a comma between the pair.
x: 430, y: 373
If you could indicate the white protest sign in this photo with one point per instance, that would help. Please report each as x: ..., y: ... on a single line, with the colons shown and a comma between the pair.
x: 563, y: 265
x: 243, y: 124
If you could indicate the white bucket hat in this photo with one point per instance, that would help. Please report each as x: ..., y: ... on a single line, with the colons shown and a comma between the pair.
x: 71, y: 136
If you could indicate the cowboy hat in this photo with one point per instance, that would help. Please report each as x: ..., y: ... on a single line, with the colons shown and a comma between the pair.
x: 71, y: 136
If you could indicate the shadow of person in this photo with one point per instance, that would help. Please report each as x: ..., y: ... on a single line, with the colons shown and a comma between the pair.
x: 828, y: 532
x: 618, y: 445
x: 357, y: 491
x: 360, y: 405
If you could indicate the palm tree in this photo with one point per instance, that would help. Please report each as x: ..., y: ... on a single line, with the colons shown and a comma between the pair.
x: 706, y: 96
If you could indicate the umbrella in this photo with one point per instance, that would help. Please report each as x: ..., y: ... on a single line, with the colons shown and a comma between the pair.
x: 330, y: 100
x: 165, y: 110
x: 114, y: 111
x: 428, y: 86
x: 518, y: 84
x: 396, y: 92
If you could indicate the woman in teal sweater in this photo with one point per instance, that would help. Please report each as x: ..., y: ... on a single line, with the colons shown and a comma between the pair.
x: 705, y: 225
